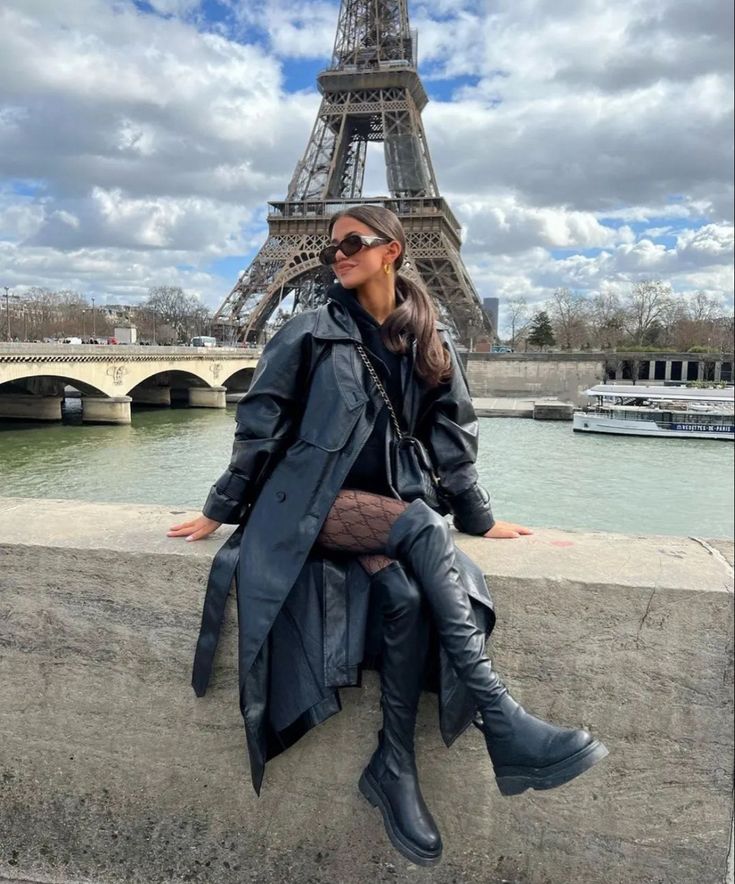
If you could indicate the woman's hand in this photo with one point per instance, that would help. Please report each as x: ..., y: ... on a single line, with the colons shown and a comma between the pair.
x: 197, y: 529
x: 504, y: 530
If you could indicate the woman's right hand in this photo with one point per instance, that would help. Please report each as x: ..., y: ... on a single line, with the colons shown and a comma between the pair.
x: 197, y: 529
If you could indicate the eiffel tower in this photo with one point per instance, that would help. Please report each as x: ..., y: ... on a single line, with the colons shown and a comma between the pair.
x: 370, y: 93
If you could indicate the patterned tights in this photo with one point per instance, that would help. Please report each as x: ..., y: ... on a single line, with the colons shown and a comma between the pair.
x: 359, y: 522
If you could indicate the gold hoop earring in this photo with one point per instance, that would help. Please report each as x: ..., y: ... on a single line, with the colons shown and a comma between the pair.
x: 386, y: 269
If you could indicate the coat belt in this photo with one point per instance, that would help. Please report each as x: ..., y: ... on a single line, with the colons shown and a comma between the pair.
x: 221, y: 575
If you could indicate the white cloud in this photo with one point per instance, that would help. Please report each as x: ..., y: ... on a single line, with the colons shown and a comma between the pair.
x: 580, y: 113
x: 175, y: 7
x: 294, y: 28
x: 590, y: 153
x: 587, y: 144
x: 503, y: 225
x: 148, y: 136
x: 712, y: 243
x: 113, y: 276
x: 19, y: 217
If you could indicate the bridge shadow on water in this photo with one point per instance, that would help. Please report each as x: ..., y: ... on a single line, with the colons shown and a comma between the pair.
x: 71, y: 415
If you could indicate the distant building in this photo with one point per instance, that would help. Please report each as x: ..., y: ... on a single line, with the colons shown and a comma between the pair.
x: 115, y: 312
x: 126, y: 334
x: 491, y: 306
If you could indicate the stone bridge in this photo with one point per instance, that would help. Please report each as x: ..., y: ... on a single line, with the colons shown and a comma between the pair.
x: 33, y: 378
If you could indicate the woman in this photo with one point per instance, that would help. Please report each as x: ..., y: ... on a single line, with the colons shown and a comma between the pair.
x: 333, y: 570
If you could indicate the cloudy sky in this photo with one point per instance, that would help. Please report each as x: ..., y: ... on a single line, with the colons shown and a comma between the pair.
x: 581, y: 143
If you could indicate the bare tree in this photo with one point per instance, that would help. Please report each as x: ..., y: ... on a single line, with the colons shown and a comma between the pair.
x: 42, y: 310
x: 568, y: 314
x: 647, y: 309
x: 48, y: 314
x: 72, y: 306
x: 703, y: 307
x: 697, y: 323
x: 606, y: 319
x: 174, y: 307
x: 517, y: 309
x: 724, y: 329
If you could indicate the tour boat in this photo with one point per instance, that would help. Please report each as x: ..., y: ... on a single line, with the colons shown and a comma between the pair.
x: 683, y: 412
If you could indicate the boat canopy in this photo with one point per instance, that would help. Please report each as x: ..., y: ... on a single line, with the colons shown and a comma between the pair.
x: 635, y: 391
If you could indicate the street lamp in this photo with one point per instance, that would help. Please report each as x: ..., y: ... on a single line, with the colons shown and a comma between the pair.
x: 7, y: 310
x: 94, y: 321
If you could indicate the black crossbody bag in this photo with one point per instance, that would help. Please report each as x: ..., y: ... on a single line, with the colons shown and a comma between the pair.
x: 410, y: 471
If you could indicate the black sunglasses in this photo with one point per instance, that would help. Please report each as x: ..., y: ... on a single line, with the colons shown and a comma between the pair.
x: 349, y: 246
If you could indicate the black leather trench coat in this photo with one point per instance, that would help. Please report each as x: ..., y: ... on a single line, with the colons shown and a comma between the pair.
x: 306, y: 625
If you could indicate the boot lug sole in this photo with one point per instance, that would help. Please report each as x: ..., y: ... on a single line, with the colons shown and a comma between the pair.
x: 515, y: 780
x: 371, y: 792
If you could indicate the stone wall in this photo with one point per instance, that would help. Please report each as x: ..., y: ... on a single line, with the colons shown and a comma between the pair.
x: 529, y: 375
x: 113, y: 772
x: 567, y: 375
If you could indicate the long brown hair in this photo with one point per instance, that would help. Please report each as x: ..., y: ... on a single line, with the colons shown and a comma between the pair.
x: 415, y: 314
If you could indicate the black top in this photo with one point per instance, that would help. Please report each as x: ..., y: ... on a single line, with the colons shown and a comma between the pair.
x: 368, y: 473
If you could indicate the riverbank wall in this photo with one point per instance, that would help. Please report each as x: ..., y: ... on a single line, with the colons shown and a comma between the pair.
x: 528, y: 375
x: 112, y: 771
x: 563, y: 375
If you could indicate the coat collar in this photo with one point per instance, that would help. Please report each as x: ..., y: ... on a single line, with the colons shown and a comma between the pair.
x: 334, y: 322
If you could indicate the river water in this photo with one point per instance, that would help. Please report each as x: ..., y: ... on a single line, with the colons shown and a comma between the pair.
x: 539, y: 473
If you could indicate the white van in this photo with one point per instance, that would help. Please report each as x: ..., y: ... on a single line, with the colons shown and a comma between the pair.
x: 203, y: 341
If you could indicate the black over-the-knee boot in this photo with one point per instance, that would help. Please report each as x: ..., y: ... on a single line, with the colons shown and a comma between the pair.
x: 526, y: 752
x: 390, y: 781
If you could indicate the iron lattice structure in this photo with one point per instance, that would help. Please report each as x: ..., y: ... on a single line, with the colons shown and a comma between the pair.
x: 370, y: 93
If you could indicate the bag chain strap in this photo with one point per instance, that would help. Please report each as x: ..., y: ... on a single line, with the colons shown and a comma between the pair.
x: 381, y: 389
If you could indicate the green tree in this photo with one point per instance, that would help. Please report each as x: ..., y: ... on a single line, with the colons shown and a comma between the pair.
x: 541, y: 335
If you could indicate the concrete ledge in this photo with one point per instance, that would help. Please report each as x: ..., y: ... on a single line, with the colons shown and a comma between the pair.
x: 112, y: 771
x: 503, y: 407
x: 553, y: 410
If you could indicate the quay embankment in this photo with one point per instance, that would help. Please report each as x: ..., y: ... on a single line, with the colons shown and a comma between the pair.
x: 112, y: 771
x: 565, y: 376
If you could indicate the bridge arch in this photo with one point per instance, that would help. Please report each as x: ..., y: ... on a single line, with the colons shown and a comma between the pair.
x: 239, y: 380
x: 48, y: 384
x: 111, y: 378
x: 178, y: 378
x: 39, y: 397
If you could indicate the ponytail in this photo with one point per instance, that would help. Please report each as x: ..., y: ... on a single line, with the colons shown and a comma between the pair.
x: 416, y: 315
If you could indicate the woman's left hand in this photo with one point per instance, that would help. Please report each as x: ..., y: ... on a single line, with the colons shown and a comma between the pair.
x: 504, y: 530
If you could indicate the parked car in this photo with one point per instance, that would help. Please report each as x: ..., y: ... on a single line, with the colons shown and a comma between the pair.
x: 498, y: 349
x: 71, y: 341
x: 112, y: 340
x: 203, y: 341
